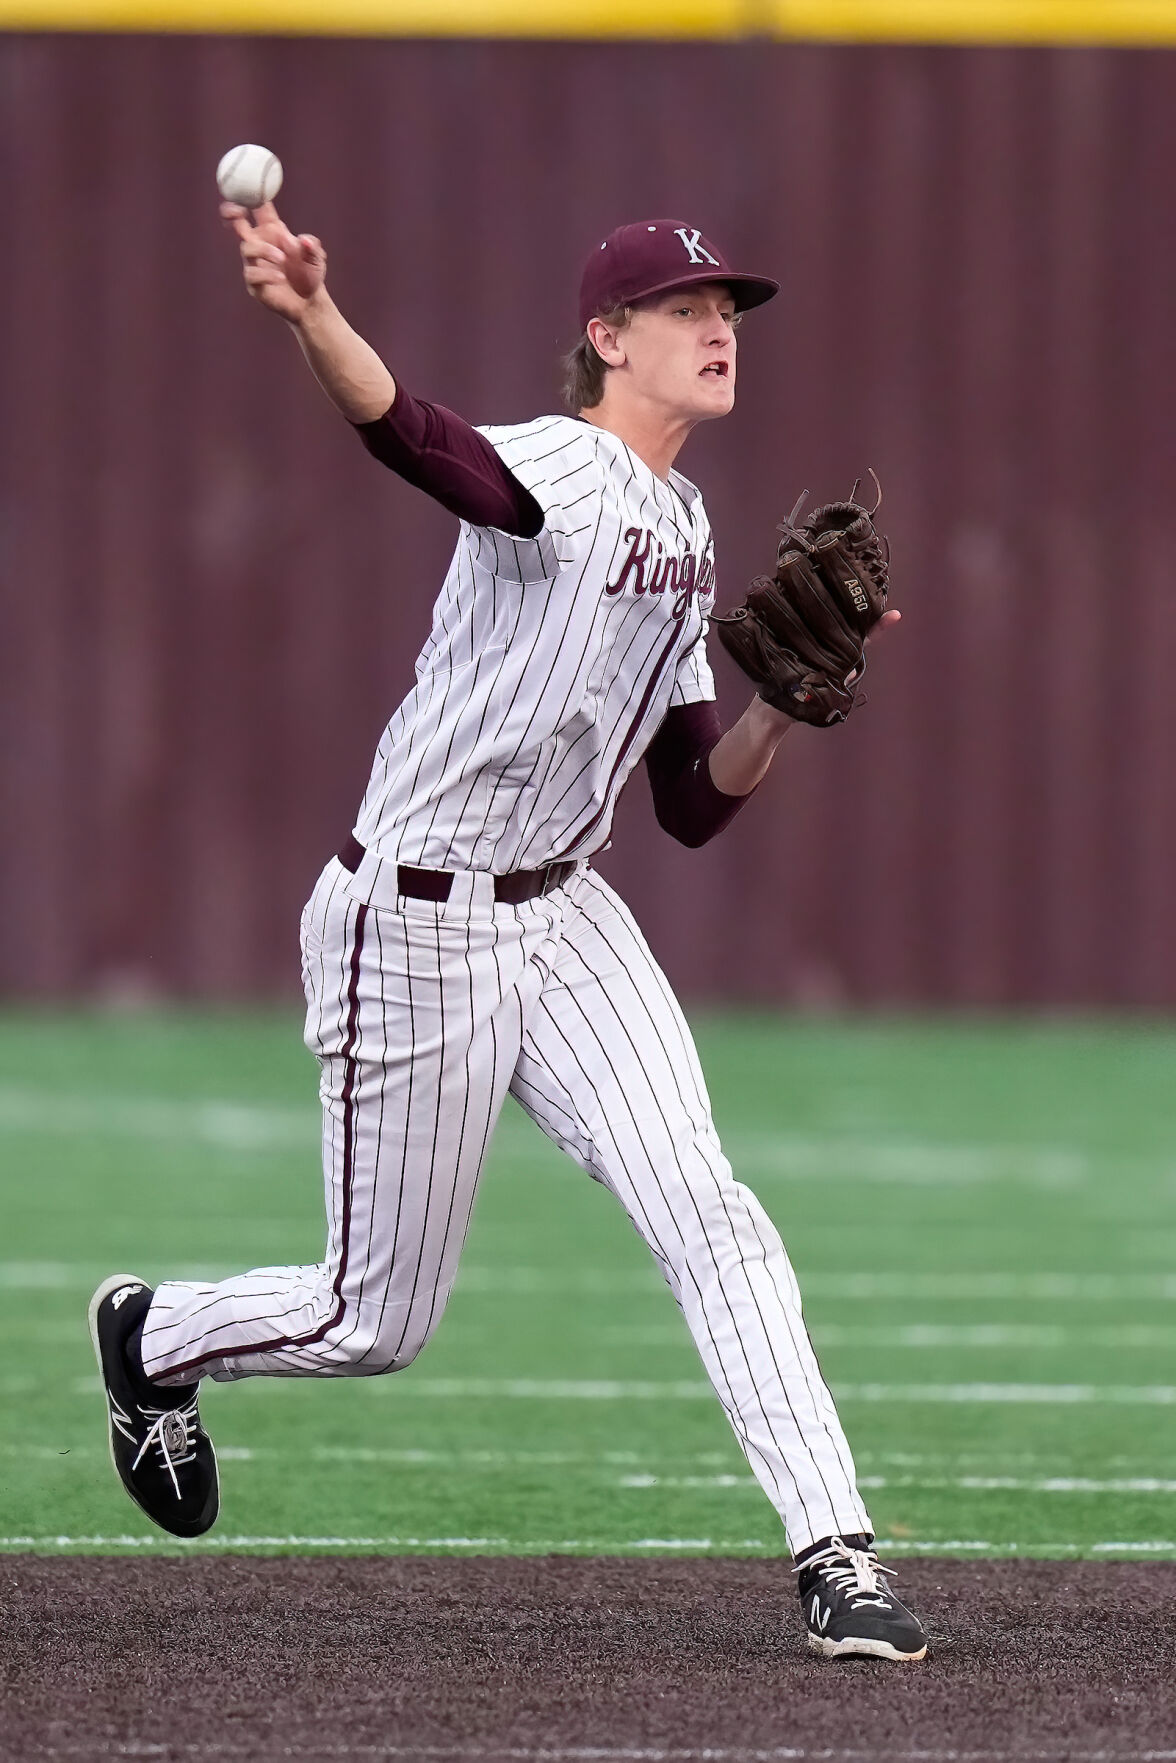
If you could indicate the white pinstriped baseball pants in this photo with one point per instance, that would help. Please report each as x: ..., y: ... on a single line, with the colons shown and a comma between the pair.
x: 422, y: 1017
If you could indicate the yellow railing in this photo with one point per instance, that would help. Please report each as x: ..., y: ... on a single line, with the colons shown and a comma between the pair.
x: 910, y: 21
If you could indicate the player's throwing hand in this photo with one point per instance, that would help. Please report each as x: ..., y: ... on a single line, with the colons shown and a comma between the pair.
x: 283, y: 271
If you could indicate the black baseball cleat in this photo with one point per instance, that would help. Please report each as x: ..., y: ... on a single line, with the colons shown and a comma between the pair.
x: 850, y: 1610
x: 163, y: 1456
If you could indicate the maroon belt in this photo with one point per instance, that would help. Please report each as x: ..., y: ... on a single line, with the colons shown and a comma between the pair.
x: 437, y: 884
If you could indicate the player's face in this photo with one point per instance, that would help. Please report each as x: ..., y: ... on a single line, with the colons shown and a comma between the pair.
x: 680, y: 348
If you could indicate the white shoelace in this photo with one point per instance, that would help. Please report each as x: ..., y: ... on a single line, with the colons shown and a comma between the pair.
x: 852, y: 1571
x: 172, y: 1432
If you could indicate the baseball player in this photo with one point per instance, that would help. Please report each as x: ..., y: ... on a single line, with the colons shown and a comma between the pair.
x: 461, y: 945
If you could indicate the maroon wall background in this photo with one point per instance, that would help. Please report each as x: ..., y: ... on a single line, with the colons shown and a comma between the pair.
x: 212, y: 598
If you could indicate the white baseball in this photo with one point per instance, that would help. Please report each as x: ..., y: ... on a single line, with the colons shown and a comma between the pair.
x: 249, y: 175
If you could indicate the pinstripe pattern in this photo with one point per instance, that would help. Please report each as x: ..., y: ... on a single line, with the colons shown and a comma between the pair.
x: 422, y: 1018
x: 518, y: 736
x: 609, y: 1071
x: 412, y: 1082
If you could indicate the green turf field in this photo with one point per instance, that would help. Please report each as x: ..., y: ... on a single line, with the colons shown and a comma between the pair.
x: 983, y: 1219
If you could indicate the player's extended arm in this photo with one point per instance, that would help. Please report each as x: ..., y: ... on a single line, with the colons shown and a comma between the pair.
x: 425, y: 444
x: 287, y: 274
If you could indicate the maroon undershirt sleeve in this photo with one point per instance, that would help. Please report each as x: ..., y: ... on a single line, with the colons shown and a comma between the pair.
x: 431, y: 448
x: 685, y: 799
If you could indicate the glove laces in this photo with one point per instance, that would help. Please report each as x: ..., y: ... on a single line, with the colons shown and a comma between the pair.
x: 854, y: 1572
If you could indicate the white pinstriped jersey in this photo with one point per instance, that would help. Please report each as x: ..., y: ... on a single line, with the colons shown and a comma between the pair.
x: 550, y: 664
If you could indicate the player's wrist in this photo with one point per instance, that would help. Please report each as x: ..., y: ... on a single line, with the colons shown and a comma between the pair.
x: 769, y: 721
x: 315, y: 309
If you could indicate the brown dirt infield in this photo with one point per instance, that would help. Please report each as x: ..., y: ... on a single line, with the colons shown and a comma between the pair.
x: 563, y: 1660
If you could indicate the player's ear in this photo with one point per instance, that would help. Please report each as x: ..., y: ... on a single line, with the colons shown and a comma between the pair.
x: 605, y: 339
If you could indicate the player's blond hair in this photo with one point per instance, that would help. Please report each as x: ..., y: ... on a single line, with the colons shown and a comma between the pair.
x: 584, y: 371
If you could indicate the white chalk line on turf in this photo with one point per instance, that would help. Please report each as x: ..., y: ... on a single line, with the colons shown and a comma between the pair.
x: 641, y: 1545
x: 260, y: 1128
x: 525, y: 1389
x: 909, y: 1337
x: 935, y: 1546
x: 465, y: 1389
x: 604, y: 1467
x: 917, y: 1336
x: 865, y: 1286
x: 1142, y: 1475
x: 1059, y: 1484
x: 683, y: 1390
x: 996, y: 1287
x: 1031, y: 1394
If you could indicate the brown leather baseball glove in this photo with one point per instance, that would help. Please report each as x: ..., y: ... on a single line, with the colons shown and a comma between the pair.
x: 801, y: 633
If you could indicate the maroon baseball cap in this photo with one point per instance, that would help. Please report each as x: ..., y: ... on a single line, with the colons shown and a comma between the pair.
x: 650, y: 256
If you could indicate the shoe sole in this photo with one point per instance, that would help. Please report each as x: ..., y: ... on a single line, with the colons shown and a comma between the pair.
x: 104, y: 1290
x: 852, y: 1648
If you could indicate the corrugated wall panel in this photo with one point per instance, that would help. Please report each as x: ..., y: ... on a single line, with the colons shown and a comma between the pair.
x: 212, y: 599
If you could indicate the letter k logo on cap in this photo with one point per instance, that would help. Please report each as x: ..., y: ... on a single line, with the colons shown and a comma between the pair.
x: 695, y: 249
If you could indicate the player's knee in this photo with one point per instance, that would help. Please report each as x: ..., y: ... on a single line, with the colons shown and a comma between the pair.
x: 376, y: 1353
x: 715, y: 1215
x: 402, y: 1353
x: 704, y: 1195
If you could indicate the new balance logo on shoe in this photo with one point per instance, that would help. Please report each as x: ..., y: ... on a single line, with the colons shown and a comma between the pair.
x: 120, y: 1297
x: 850, y: 1609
